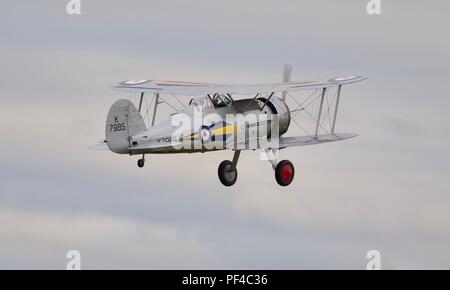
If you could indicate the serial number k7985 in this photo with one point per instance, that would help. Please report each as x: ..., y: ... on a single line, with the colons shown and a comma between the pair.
x: 117, y: 127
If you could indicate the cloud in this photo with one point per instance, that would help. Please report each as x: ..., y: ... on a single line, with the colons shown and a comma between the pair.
x: 403, y: 128
x: 41, y: 240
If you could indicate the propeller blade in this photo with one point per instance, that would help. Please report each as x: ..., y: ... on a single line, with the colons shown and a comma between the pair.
x: 287, y: 70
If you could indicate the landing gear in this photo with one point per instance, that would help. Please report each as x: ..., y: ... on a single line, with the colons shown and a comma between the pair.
x: 227, y: 170
x: 227, y: 175
x: 284, y: 172
x: 141, y: 162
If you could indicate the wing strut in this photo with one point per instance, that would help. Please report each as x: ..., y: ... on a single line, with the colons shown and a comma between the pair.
x: 140, y: 161
x: 268, y: 99
x: 336, y: 108
x: 248, y: 104
x: 320, y: 112
x: 140, y: 101
x: 154, y: 109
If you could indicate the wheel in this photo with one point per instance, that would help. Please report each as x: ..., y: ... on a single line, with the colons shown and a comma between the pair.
x: 141, y: 162
x: 227, y: 176
x: 284, y: 172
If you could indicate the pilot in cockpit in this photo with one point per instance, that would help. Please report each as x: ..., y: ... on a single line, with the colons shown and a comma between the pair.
x: 220, y: 100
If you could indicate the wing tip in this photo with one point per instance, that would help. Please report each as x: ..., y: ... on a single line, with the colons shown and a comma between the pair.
x: 347, y: 80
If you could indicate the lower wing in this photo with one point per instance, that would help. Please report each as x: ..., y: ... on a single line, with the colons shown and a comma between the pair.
x: 284, y: 142
x: 312, y: 140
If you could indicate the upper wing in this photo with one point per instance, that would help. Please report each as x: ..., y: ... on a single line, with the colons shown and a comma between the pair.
x: 194, y: 89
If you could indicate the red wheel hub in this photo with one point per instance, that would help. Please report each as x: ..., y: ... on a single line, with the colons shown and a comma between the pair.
x: 287, y: 173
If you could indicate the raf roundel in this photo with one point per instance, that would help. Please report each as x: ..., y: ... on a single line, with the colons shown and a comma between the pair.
x: 205, y: 134
x: 135, y: 82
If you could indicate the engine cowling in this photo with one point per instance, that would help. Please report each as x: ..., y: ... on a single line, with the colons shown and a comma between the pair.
x: 278, y: 106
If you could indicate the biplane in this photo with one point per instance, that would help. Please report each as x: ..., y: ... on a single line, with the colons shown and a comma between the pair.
x: 238, y: 122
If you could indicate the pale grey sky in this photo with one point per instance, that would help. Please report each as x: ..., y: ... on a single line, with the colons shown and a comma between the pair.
x: 387, y: 189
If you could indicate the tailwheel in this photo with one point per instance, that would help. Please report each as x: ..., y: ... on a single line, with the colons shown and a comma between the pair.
x: 141, y: 162
x: 227, y: 174
x: 284, y: 172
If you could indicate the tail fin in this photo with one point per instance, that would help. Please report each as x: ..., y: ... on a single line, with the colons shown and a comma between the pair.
x: 123, y: 121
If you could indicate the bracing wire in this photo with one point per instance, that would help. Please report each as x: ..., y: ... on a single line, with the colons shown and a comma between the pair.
x: 304, y: 109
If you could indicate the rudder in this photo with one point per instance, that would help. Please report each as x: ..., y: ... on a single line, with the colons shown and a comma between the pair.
x: 123, y: 121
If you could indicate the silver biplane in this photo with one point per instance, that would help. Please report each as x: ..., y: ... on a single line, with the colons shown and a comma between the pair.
x: 127, y: 131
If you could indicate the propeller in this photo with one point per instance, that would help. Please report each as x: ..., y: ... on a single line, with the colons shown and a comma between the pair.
x: 287, y: 70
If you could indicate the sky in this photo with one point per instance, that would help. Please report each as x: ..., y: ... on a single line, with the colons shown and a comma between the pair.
x: 386, y: 190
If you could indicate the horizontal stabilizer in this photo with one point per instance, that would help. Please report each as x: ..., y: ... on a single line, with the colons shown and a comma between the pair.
x: 100, y: 146
x: 153, y: 145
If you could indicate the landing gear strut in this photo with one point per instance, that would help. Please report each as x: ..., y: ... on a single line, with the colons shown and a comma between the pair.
x: 141, y: 162
x: 227, y: 170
